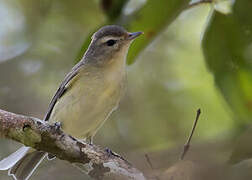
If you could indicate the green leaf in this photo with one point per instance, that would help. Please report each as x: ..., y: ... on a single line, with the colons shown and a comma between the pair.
x: 152, y: 19
x: 227, y: 46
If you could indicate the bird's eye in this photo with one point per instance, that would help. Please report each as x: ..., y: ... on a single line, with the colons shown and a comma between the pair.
x: 111, y: 42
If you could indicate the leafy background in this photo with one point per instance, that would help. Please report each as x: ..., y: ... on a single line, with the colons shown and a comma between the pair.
x: 188, y: 58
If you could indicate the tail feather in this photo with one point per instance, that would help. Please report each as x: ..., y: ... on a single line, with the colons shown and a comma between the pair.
x: 22, y: 163
x: 27, y: 165
x: 12, y: 159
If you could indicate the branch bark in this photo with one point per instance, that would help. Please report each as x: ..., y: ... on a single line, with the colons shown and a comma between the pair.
x: 94, y: 161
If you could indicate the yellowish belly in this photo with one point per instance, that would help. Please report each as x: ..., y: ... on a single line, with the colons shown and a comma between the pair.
x: 86, y: 105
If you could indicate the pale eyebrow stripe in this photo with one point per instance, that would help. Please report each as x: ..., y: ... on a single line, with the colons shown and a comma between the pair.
x: 106, y: 38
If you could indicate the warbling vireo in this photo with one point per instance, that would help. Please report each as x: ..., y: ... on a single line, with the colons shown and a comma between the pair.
x: 87, y: 96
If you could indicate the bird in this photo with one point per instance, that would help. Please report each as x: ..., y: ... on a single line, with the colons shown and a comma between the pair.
x: 87, y: 96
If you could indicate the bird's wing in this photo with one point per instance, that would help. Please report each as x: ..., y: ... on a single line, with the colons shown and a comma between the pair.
x: 62, y: 89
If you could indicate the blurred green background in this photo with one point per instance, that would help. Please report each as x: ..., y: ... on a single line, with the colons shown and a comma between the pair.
x: 188, y: 59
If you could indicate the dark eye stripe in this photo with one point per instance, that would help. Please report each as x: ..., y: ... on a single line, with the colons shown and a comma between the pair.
x: 111, y: 42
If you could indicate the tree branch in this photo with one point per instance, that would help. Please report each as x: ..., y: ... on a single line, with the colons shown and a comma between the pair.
x: 94, y: 161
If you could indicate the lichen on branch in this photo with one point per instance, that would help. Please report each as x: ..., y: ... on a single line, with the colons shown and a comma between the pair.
x: 93, y: 160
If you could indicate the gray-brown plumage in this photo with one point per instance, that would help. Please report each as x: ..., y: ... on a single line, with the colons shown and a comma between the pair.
x: 114, y: 30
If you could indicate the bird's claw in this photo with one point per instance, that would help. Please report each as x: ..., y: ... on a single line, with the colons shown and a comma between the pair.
x: 57, y: 125
x: 111, y: 153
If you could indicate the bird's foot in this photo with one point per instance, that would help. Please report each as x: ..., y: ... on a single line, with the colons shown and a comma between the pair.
x: 57, y: 125
x: 51, y: 157
x: 111, y: 153
x: 89, y: 140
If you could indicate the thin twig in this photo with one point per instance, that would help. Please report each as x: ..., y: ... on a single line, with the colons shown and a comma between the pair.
x: 187, y: 145
x: 149, y: 161
x: 150, y: 164
x: 198, y: 3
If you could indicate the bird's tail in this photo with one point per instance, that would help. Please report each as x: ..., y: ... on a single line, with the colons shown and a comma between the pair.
x: 22, y: 163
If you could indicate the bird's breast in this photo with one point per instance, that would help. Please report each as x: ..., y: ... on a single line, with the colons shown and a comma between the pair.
x: 89, y: 101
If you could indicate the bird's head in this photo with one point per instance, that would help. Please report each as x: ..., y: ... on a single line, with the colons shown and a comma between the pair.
x: 109, y: 44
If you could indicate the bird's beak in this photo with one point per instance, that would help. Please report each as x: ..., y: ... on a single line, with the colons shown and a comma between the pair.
x: 133, y: 35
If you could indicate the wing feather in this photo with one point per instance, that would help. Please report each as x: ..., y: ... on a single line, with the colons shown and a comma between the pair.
x: 62, y: 89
